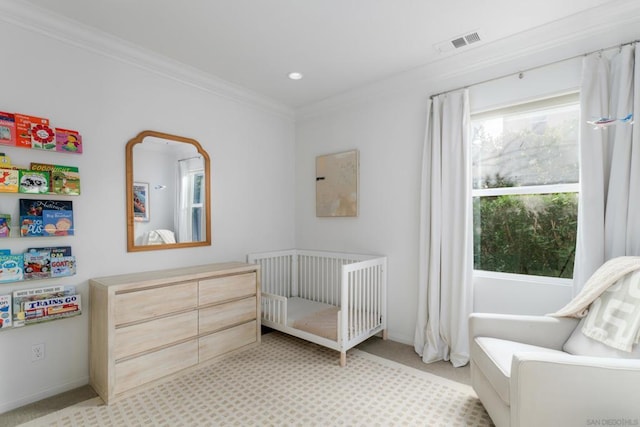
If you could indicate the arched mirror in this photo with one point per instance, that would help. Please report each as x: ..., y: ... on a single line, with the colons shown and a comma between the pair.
x: 168, y: 194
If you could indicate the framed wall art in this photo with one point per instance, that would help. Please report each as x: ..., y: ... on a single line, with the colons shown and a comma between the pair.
x: 141, y: 201
x: 337, y: 184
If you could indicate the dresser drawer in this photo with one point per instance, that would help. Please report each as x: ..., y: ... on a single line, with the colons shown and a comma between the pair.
x: 227, y: 340
x: 153, y: 302
x: 145, y: 336
x: 226, y: 288
x: 141, y: 370
x: 224, y: 315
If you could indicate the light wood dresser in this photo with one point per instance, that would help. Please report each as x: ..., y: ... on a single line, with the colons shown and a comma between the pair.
x: 147, y: 326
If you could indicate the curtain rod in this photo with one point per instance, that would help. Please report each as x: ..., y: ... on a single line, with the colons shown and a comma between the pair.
x: 536, y: 67
x: 189, y: 158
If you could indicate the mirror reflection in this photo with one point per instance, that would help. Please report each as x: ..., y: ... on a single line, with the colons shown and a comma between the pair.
x: 168, y: 195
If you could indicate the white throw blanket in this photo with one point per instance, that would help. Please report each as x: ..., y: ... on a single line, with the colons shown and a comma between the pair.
x: 615, y: 315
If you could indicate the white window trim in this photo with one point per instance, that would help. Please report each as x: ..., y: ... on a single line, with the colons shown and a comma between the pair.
x: 524, y: 278
x: 528, y: 189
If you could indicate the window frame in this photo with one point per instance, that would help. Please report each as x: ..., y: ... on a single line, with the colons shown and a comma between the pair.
x: 557, y: 101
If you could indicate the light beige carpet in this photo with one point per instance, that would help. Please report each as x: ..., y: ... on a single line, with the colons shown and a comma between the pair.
x: 286, y: 382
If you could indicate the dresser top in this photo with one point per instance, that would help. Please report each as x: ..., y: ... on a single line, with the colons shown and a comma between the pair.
x: 158, y: 277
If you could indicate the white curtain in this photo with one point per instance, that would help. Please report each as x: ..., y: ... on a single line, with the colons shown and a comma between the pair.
x: 446, y: 240
x: 609, y: 208
x: 183, y: 218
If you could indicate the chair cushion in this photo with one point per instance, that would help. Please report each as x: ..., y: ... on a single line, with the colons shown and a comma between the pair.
x: 581, y: 345
x: 493, y: 357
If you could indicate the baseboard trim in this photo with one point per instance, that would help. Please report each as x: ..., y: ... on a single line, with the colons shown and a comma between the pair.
x: 26, y: 400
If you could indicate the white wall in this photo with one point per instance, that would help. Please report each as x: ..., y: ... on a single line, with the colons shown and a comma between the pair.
x: 386, y: 122
x: 110, y: 101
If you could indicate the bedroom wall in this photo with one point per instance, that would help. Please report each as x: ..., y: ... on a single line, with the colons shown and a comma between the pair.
x: 386, y: 122
x: 110, y: 100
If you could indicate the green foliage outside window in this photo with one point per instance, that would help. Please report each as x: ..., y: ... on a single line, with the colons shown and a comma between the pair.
x: 526, y: 234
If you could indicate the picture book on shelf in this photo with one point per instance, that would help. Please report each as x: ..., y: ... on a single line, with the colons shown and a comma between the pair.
x: 64, y: 179
x: 43, y: 137
x: 34, y: 182
x: 5, y: 225
x: 5, y: 311
x: 60, y: 261
x: 57, y: 223
x: 63, y: 266
x: 11, y: 268
x: 55, y: 251
x: 37, y: 264
x: 68, y: 141
x: 9, y: 179
x: 30, y: 226
x: 7, y: 129
x: 24, y: 123
x: 36, y: 206
x: 43, y: 304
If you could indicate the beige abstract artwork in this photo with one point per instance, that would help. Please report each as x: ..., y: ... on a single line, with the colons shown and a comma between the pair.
x: 337, y: 184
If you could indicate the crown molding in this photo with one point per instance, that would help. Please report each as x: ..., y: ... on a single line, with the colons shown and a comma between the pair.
x: 594, y: 29
x: 33, y: 18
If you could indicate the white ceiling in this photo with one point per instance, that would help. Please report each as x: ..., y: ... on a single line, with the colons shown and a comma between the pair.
x: 339, y: 45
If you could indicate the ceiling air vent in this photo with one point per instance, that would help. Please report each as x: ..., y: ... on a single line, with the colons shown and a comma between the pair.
x: 459, y: 41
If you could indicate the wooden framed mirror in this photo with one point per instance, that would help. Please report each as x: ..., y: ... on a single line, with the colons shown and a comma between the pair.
x: 168, y: 195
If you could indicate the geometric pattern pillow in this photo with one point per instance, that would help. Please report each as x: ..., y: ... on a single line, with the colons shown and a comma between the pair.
x: 581, y: 345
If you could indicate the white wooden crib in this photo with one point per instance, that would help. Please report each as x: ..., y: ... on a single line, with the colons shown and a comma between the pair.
x: 336, y: 300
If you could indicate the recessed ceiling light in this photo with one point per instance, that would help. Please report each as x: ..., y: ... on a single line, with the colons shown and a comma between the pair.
x: 295, y: 76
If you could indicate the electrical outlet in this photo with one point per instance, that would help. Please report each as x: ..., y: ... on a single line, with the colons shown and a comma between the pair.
x: 37, y: 352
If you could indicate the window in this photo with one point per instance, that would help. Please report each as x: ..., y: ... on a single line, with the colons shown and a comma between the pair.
x: 525, y: 187
x: 196, y: 189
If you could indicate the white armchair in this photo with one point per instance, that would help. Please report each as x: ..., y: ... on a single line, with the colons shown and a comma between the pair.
x: 524, y: 377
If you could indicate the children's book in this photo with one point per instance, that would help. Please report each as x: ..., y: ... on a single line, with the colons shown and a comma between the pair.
x: 55, y: 251
x: 34, y: 182
x: 57, y: 223
x: 43, y: 137
x: 9, y: 179
x: 31, y: 226
x: 36, y: 206
x: 37, y: 264
x: 42, y: 304
x: 11, y: 268
x: 63, y: 266
x: 5, y: 225
x: 7, y: 129
x: 5, y: 311
x: 24, y: 124
x: 64, y: 179
x: 68, y: 141
x: 32, y: 217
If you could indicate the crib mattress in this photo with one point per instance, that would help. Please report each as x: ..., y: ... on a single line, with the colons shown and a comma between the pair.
x: 313, y: 317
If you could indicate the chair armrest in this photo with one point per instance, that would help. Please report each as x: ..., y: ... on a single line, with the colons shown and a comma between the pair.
x: 563, y: 389
x: 543, y: 331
